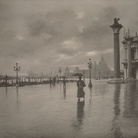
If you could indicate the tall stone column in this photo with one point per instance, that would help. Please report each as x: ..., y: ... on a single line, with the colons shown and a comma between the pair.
x: 137, y: 52
x: 116, y: 28
x: 125, y: 60
x: 136, y: 59
x: 129, y: 39
x: 125, y: 57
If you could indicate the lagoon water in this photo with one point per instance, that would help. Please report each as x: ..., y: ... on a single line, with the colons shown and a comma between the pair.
x: 44, y: 111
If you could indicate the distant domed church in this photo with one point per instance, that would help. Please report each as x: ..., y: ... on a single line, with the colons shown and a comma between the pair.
x: 105, y: 71
x: 99, y: 70
x: 67, y: 72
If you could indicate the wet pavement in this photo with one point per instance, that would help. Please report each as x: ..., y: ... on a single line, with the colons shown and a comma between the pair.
x: 44, y: 111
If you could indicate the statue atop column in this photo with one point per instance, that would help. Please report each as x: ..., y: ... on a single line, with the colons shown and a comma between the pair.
x: 116, y: 26
x: 116, y: 21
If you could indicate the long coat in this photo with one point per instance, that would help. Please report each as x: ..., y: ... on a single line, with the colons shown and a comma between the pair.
x: 80, y: 85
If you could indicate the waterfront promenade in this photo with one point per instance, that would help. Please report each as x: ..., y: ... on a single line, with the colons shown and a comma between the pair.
x: 44, y: 111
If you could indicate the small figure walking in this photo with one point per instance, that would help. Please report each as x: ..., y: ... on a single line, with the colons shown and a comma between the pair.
x: 80, y: 85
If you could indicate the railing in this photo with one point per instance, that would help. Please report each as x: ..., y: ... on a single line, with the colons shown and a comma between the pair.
x: 134, y: 60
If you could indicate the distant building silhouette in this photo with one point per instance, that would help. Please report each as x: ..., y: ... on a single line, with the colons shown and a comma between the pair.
x: 67, y: 72
x: 104, y: 70
x: 77, y: 70
x: 99, y: 70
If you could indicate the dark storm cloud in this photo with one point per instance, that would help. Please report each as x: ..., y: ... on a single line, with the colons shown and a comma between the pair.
x: 67, y: 52
x: 59, y: 24
x: 55, y: 27
x: 48, y: 33
x: 95, y: 35
x: 4, y: 6
x: 62, y: 24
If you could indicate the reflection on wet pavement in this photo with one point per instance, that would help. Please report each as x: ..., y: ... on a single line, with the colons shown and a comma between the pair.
x: 108, y: 111
x: 115, y: 131
x: 80, y: 115
x: 131, y: 101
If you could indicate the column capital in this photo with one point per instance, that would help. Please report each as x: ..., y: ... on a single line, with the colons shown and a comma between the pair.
x: 116, y: 26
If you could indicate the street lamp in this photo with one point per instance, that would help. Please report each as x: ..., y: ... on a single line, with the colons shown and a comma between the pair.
x: 17, y: 69
x: 6, y: 78
x: 99, y: 75
x: 107, y: 75
x: 60, y: 70
x: 83, y: 75
x: 90, y: 67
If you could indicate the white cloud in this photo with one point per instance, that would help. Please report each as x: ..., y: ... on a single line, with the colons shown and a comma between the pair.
x: 62, y: 57
x: 91, y: 53
x: 80, y: 13
x: 72, y: 44
x: 107, y: 51
x: 19, y: 37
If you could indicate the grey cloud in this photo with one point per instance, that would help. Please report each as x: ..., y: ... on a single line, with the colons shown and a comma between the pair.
x: 55, y: 23
x: 94, y: 35
x: 33, y: 31
x: 68, y: 52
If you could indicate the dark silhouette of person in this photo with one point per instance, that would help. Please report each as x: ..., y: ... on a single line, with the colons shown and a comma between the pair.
x: 64, y: 91
x: 64, y: 81
x: 80, y: 85
x: 50, y: 80
x: 64, y: 86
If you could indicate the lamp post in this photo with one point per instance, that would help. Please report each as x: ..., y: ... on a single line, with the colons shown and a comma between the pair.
x: 107, y: 75
x: 60, y: 70
x: 90, y: 67
x: 6, y: 78
x: 17, y: 69
x: 99, y: 75
x: 83, y: 75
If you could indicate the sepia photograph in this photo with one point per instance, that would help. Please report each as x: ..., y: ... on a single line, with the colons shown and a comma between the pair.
x: 68, y: 69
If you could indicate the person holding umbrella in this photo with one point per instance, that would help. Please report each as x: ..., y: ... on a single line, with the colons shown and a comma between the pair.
x: 80, y: 85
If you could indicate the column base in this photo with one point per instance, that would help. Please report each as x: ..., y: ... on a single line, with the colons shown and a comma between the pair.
x: 119, y: 80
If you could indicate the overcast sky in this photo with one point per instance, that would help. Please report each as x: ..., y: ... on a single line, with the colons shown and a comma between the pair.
x: 42, y: 35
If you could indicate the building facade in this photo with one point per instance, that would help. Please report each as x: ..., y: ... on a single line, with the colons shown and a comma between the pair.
x: 130, y: 62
